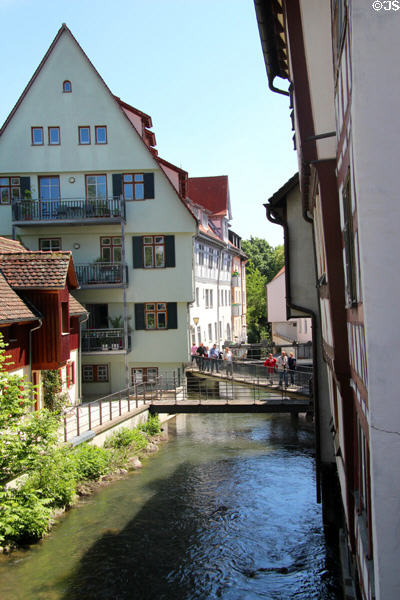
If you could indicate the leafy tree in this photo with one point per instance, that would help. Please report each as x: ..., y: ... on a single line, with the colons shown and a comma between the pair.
x: 267, y: 259
x: 257, y: 324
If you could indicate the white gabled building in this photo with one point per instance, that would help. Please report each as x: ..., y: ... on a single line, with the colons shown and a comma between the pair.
x: 218, y: 314
x: 79, y: 172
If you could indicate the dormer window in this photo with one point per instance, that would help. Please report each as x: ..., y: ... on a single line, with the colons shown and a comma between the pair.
x: 67, y: 87
x: 204, y: 220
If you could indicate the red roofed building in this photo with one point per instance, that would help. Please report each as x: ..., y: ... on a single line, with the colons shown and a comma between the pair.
x: 218, y: 314
x: 39, y: 319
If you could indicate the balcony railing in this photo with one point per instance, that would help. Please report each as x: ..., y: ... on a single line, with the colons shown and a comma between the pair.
x: 104, y: 340
x: 69, y: 209
x: 102, y: 274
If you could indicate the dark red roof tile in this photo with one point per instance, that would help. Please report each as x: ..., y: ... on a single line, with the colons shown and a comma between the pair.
x: 211, y: 193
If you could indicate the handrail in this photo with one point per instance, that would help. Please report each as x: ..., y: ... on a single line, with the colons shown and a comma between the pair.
x: 68, y: 209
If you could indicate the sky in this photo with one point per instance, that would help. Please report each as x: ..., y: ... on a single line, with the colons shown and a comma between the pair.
x: 195, y: 66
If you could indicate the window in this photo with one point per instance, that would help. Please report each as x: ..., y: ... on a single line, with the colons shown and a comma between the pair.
x: 70, y: 368
x: 210, y: 331
x: 207, y: 299
x: 50, y: 244
x: 37, y: 136
x: 220, y: 329
x: 215, y: 331
x: 67, y: 87
x: 96, y: 187
x: 197, y: 297
x: 53, y: 136
x: 64, y: 317
x: 349, y: 246
x: 211, y: 298
x: 144, y: 375
x: 84, y: 135
x: 201, y: 254
x: 9, y: 189
x: 210, y: 258
x: 153, y: 251
x: 222, y: 297
x: 155, y: 315
x: 101, y: 134
x: 133, y: 186
x: 95, y: 373
x: 111, y: 249
x: 198, y: 336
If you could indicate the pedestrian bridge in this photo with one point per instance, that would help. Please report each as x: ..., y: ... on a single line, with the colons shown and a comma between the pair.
x: 240, y: 388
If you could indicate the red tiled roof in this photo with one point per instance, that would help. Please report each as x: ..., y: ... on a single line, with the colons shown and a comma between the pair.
x: 7, y: 245
x: 211, y: 193
x: 75, y: 308
x: 12, y: 308
x: 32, y: 270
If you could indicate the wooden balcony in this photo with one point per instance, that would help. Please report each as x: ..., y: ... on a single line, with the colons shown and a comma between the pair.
x: 104, y: 340
x: 68, y: 211
x: 102, y: 275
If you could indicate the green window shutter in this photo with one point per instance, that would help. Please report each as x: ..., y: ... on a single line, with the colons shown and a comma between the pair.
x: 137, y: 242
x: 172, y: 315
x: 139, y: 316
x: 148, y: 185
x: 169, y: 250
x: 24, y: 184
x: 117, y: 185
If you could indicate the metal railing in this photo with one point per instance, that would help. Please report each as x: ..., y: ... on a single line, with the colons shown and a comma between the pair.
x: 100, y: 340
x: 68, y: 209
x: 101, y: 273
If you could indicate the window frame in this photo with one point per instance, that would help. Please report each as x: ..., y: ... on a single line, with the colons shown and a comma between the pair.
x: 156, y: 311
x: 10, y: 187
x: 96, y: 128
x: 95, y: 377
x: 33, y: 129
x: 113, y: 245
x: 136, y: 181
x: 51, y: 240
x: 67, y: 82
x: 96, y: 198
x: 80, y: 128
x: 145, y: 374
x: 57, y: 128
x: 153, y: 245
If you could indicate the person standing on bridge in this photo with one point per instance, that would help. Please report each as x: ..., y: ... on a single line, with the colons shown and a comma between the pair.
x: 292, y: 366
x: 214, y: 358
x: 228, y: 362
x: 193, y: 351
x: 200, y: 356
x: 270, y: 363
x: 282, y: 364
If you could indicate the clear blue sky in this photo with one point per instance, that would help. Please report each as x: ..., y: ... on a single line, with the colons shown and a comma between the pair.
x: 195, y: 66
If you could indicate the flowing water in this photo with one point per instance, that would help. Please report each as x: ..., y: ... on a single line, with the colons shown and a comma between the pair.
x: 226, y: 509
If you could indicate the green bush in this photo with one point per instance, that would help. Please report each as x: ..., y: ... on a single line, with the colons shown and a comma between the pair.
x: 55, y: 478
x: 91, y: 462
x: 152, y: 425
x: 24, y: 517
x: 125, y: 437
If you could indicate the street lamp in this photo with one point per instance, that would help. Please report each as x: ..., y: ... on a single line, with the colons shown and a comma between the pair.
x: 195, y: 320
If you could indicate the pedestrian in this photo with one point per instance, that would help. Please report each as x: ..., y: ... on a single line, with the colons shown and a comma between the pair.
x: 200, y: 356
x: 282, y: 364
x: 228, y: 362
x: 193, y: 351
x: 292, y: 366
x: 214, y: 356
x: 206, y: 360
x: 270, y: 363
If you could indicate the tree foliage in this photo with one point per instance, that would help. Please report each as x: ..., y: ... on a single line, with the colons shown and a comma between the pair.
x: 264, y: 263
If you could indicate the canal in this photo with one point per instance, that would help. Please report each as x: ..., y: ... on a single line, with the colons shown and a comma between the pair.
x: 226, y: 509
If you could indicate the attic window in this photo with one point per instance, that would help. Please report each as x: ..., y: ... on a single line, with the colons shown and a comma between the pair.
x: 67, y: 87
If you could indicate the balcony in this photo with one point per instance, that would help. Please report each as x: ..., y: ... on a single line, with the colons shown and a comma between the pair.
x: 235, y: 282
x: 68, y: 211
x: 236, y: 310
x: 102, y: 275
x: 104, y: 340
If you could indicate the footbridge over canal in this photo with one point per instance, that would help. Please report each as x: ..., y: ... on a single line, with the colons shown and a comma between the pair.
x: 238, y: 388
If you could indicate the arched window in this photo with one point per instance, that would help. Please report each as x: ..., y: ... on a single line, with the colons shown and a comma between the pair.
x: 67, y: 87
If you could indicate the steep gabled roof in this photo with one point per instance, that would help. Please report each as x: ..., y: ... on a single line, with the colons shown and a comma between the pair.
x: 38, y: 270
x: 7, y: 245
x: 12, y: 308
x: 211, y: 193
x: 75, y: 308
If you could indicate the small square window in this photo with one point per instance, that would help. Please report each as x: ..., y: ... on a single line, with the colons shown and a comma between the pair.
x: 37, y: 136
x: 54, y: 136
x: 101, y: 134
x: 84, y: 135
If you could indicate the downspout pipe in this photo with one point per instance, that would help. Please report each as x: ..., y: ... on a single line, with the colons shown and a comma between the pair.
x: 81, y: 322
x: 275, y: 218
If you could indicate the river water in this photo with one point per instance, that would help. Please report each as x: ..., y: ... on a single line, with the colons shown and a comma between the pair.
x: 226, y: 509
